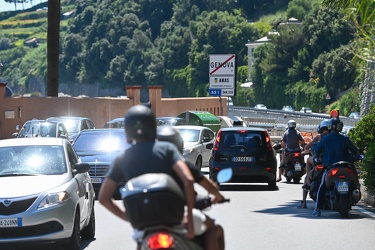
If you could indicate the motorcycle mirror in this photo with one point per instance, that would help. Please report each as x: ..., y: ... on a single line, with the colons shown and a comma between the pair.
x: 224, y: 175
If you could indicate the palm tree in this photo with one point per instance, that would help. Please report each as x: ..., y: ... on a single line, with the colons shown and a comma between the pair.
x: 53, y: 36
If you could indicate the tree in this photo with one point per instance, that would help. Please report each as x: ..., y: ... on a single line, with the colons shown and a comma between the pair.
x: 15, y: 2
x: 53, y: 37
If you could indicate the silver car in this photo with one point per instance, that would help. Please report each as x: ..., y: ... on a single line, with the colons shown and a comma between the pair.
x: 195, y: 140
x: 46, y: 195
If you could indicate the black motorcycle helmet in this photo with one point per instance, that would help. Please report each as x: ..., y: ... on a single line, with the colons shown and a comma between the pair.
x: 170, y: 134
x: 140, y: 123
x: 335, y: 125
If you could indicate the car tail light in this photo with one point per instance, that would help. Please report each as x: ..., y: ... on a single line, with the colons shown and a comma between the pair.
x: 217, y: 141
x: 268, y: 140
x: 333, y: 172
x: 160, y: 241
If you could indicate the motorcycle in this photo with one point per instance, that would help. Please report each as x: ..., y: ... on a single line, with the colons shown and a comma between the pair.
x: 344, y: 187
x: 155, y: 207
x: 295, y: 167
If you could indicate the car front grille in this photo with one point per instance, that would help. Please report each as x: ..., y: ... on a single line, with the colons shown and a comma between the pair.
x: 98, y: 170
x: 30, y: 231
x: 16, y: 207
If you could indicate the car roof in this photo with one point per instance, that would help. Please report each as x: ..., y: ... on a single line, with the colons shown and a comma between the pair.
x: 70, y: 117
x: 98, y: 130
x: 191, y: 127
x: 32, y: 141
x: 243, y: 128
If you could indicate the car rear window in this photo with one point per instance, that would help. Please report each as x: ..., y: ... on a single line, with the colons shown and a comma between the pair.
x: 246, y: 138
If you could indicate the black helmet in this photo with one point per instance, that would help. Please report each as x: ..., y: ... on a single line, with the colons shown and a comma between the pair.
x: 140, y: 123
x: 170, y: 134
x: 335, y: 125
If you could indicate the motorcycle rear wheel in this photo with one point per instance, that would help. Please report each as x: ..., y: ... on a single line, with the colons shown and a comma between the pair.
x: 344, y: 205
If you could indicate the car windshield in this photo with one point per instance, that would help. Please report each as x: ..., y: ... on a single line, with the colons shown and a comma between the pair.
x: 32, y: 160
x: 101, y: 141
x: 189, y: 135
x: 72, y: 126
x: 38, y: 129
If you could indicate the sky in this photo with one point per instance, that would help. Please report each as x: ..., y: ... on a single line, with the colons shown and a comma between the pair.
x: 4, y: 6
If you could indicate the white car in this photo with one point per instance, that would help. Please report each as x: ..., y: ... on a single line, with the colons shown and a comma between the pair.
x: 46, y: 194
x: 195, y: 140
x: 260, y: 106
x: 306, y: 110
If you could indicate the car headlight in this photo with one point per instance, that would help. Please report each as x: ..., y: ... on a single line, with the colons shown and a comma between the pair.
x: 187, y: 151
x: 54, y: 199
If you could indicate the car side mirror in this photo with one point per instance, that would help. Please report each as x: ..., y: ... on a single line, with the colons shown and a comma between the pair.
x: 81, y: 168
x: 206, y: 139
x: 18, y: 127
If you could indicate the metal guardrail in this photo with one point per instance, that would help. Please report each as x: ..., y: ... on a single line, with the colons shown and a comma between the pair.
x: 275, y: 121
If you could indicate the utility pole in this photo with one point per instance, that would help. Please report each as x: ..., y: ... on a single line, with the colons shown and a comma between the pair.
x: 53, y: 37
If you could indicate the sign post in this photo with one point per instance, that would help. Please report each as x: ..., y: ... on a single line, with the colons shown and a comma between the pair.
x: 222, y: 74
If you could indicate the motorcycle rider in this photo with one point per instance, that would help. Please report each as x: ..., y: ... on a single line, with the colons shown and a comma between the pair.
x: 322, y: 131
x: 213, y: 235
x: 334, y: 147
x: 290, y: 142
x: 146, y: 155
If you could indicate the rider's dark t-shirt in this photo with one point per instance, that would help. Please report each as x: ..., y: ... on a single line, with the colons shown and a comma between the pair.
x: 142, y: 158
x: 291, y: 138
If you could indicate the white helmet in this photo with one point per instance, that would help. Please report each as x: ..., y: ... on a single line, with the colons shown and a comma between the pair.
x: 292, y: 124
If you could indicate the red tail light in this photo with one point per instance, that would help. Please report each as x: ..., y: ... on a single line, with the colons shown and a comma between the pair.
x: 351, y: 171
x: 217, y: 141
x: 333, y: 172
x: 160, y: 241
x: 268, y: 140
x: 318, y: 167
x: 296, y: 155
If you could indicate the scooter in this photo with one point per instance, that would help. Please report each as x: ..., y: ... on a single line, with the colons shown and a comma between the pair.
x: 295, y: 167
x: 344, y: 187
x: 154, y: 208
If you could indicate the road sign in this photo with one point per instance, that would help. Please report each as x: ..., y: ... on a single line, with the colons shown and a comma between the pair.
x: 214, y: 92
x: 222, y: 65
x: 223, y: 82
x: 222, y: 73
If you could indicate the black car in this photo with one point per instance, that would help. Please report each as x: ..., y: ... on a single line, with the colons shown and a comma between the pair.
x: 115, y: 123
x: 99, y: 147
x: 248, y: 151
x: 74, y: 124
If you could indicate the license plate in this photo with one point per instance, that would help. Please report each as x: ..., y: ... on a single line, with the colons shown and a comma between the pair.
x: 243, y: 159
x: 297, y: 167
x: 96, y: 180
x: 11, y: 222
x: 342, y: 187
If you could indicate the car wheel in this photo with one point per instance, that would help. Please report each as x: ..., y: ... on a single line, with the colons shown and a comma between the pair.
x: 198, y: 162
x: 74, y: 240
x: 272, y: 184
x: 89, y: 231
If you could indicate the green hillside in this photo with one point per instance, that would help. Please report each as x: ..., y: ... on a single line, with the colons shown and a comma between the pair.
x: 157, y: 42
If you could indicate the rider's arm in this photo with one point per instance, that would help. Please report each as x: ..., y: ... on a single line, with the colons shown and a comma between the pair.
x: 184, y: 174
x: 212, y: 188
x: 315, y: 139
x: 105, y: 198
